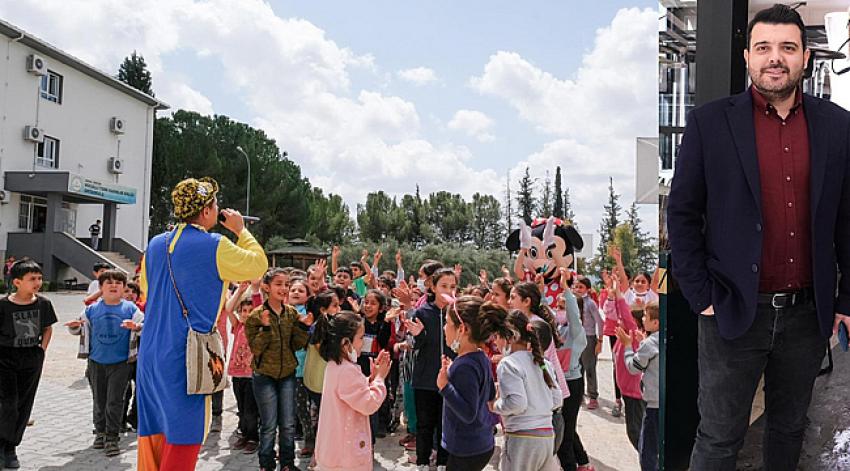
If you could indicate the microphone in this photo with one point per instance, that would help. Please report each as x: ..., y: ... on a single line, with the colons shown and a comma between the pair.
x: 250, y: 219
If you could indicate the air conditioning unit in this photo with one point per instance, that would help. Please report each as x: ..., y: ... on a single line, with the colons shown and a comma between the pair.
x: 116, y: 125
x: 33, y: 134
x: 116, y: 165
x: 36, y: 65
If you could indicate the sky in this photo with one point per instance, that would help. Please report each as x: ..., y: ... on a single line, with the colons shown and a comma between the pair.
x: 385, y: 95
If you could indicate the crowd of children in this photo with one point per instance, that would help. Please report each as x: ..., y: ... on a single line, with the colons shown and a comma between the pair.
x: 339, y: 359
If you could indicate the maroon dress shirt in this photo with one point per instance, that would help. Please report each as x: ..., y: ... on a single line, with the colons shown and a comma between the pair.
x: 782, y: 146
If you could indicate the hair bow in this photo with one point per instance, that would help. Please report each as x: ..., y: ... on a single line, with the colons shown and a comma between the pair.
x: 452, y: 301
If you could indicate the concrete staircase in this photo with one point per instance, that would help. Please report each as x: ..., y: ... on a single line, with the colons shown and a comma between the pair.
x: 121, y: 262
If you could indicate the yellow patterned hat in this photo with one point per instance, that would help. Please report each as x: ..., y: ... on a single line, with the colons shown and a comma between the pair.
x: 191, y: 195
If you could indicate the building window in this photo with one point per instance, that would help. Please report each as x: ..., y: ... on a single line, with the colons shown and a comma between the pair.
x: 51, y: 87
x: 48, y: 153
x: 32, y: 210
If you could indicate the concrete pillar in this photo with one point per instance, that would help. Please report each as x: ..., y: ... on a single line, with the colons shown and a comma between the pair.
x: 54, y: 204
x: 108, y: 232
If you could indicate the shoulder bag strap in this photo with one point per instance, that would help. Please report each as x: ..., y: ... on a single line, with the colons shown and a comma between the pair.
x: 174, y: 282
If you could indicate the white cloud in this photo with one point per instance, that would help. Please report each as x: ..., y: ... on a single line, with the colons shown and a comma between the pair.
x: 418, y: 76
x: 593, y: 117
x: 293, y: 79
x: 182, y: 96
x: 295, y: 84
x: 474, y: 123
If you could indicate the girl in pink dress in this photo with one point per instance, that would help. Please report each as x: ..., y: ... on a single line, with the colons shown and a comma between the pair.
x: 344, y: 439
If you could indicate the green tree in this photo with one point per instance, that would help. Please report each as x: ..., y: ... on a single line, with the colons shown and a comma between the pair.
x: 134, y: 72
x: 469, y: 257
x: 509, y: 225
x: 558, y: 207
x: 374, y: 217
x: 329, y: 221
x: 525, y: 197
x: 487, y: 230
x: 449, y: 215
x: 624, y: 238
x: 545, y: 207
x: 647, y: 250
x: 413, y: 226
x: 569, y: 215
x: 191, y: 145
x: 606, y: 228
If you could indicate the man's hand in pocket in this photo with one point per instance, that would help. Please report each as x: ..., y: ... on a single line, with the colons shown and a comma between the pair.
x: 709, y: 311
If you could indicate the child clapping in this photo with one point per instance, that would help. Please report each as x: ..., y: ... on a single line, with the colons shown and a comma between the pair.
x: 344, y: 440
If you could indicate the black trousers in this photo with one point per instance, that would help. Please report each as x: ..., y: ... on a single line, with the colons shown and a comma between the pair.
x: 217, y: 403
x: 131, y: 411
x: 787, y: 347
x: 617, y: 394
x: 571, y: 453
x: 635, y: 409
x: 469, y: 463
x: 108, y: 384
x: 429, y: 420
x: 246, y: 405
x: 20, y: 371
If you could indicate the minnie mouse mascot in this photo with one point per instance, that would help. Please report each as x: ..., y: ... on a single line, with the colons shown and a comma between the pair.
x: 544, y: 247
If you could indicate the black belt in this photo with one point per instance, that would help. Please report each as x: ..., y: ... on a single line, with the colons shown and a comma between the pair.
x: 787, y: 299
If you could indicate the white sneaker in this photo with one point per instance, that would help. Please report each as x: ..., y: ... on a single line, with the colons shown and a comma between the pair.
x: 422, y: 467
x: 441, y: 468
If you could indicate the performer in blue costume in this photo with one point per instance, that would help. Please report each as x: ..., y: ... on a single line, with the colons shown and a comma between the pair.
x: 172, y: 424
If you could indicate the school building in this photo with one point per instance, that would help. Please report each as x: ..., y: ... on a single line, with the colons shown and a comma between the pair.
x: 75, y: 147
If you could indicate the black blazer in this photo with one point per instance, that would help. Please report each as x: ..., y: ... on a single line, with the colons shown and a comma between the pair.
x: 714, y: 214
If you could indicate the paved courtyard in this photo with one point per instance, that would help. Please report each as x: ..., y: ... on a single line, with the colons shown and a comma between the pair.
x: 61, y: 437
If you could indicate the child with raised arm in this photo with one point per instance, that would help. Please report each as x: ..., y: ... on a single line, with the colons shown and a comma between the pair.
x: 106, y: 326
x: 275, y: 331
x: 645, y: 360
x: 239, y: 369
x: 527, y: 396
x: 344, y: 441
x: 466, y: 384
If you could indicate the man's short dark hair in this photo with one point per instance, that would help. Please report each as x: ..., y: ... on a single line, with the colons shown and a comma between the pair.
x: 345, y: 270
x: 112, y: 275
x: 358, y: 265
x: 778, y: 14
x: 23, y: 266
x: 101, y: 266
x: 585, y: 282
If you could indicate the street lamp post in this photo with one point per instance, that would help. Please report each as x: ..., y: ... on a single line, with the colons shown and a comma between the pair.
x: 248, y: 191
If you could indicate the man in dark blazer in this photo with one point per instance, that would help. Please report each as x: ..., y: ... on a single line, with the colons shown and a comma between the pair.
x: 759, y: 226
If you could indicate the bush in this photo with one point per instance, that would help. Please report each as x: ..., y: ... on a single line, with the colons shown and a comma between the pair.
x: 469, y: 257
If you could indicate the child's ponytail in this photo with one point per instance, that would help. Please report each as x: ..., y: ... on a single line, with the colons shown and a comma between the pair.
x: 529, y: 290
x: 314, y: 306
x: 525, y: 332
x: 340, y: 327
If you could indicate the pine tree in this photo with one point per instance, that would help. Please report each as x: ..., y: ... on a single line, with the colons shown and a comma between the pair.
x: 508, y: 211
x: 545, y: 208
x: 644, y: 242
x: 558, y: 208
x: 569, y: 215
x: 525, y: 197
x: 134, y: 72
x: 607, y: 227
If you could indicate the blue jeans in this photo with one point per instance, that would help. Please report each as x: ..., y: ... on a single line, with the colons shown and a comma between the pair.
x: 649, y: 441
x: 786, y: 345
x: 276, y: 401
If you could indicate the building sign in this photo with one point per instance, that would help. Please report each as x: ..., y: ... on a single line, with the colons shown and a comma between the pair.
x: 90, y: 187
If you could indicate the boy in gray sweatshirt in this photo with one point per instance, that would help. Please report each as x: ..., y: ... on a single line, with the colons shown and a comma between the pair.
x: 646, y: 360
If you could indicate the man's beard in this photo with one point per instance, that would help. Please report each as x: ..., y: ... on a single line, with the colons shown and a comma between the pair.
x: 773, y: 91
